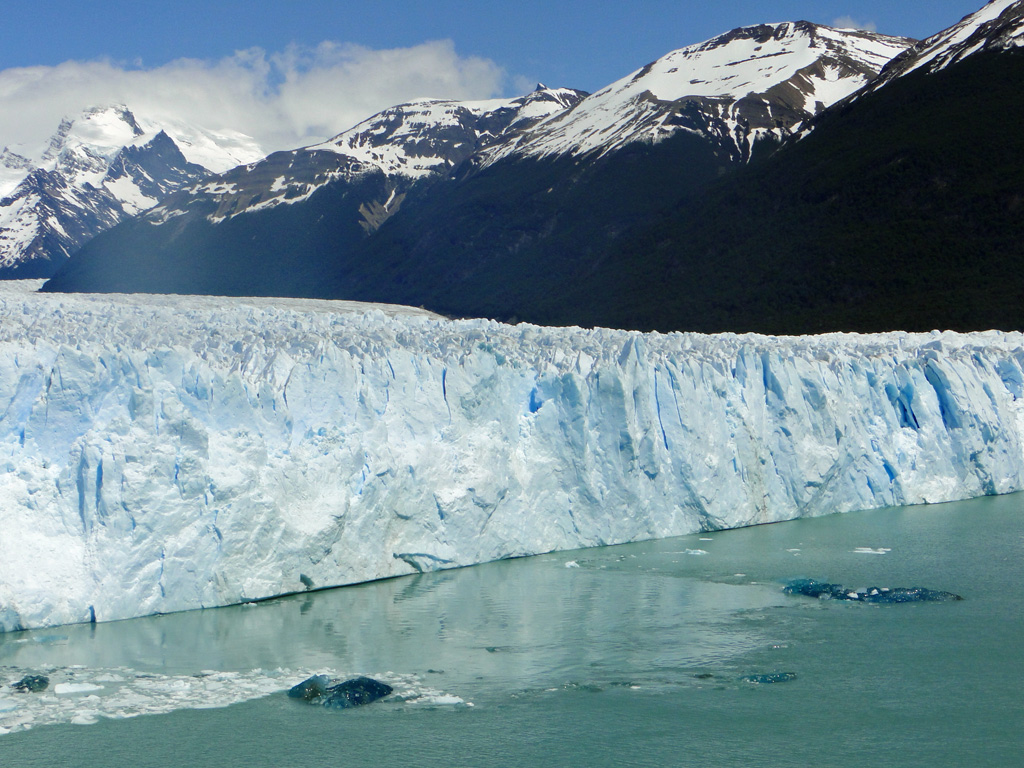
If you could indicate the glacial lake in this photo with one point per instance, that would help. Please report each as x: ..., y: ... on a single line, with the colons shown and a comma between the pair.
x: 621, y: 656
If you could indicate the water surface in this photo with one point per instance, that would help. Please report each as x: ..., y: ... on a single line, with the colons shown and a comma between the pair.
x: 626, y: 656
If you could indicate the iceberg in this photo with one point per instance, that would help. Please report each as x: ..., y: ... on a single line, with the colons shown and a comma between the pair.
x: 161, y: 454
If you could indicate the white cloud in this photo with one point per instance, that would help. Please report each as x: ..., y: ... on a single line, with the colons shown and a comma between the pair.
x: 284, y: 100
x: 848, y: 22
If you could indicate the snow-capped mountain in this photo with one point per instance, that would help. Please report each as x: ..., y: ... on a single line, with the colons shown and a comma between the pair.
x: 740, y: 87
x: 997, y: 26
x: 405, y: 143
x: 100, y: 167
x: 714, y: 100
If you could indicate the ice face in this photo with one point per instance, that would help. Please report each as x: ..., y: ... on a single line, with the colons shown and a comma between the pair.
x: 168, y: 453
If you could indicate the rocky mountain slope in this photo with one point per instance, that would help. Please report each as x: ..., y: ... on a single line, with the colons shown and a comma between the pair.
x: 99, y: 168
x: 301, y: 208
x: 403, y: 144
x: 748, y: 85
x: 999, y: 26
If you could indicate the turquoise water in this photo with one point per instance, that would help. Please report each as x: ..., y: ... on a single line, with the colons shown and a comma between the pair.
x: 622, y: 656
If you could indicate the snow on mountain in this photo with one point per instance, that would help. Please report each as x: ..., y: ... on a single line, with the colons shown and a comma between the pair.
x: 164, y: 453
x: 744, y: 85
x: 406, y: 142
x: 997, y: 26
x: 215, y: 150
x: 13, y: 170
x: 423, y: 137
x: 98, y: 168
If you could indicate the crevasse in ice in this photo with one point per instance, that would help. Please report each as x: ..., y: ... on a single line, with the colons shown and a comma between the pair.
x: 168, y: 453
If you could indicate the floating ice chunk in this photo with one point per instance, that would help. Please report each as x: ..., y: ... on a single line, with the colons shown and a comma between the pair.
x: 695, y: 552
x: 69, y: 688
x: 912, y: 595
x: 32, y: 684
x: 129, y: 693
x: 572, y: 564
x: 6, y: 705
x: 354, y: 693
x: 441, y: 699
x: 870, y: 551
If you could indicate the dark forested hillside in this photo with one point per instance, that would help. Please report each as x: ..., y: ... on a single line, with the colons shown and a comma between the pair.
x: 278, y: 252
x: 509, y: 240
x: 481, y: 243
x: 903, y: 209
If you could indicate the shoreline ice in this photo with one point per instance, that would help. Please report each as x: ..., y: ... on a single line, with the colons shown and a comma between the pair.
x: 84, y: 696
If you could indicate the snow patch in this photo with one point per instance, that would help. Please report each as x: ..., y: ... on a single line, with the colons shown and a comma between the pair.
x: 69, y: 688
x: 128, y: 192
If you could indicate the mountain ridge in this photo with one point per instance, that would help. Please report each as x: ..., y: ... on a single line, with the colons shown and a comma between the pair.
x: 999, y: 25
x: 754, y: 94
x: 917, y: 228
x: 405, y: 143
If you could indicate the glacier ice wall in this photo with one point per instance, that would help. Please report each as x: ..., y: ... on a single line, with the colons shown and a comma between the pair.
x: 160, y: 454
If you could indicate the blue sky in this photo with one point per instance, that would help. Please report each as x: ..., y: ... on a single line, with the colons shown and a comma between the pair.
x: 578, y: 44
x: 294, y: 72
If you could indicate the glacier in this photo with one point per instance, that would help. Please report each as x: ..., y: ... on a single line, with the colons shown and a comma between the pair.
x: 166, y: 453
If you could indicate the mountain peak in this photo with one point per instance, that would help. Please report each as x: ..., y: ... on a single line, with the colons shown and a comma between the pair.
x: 746, y: 84
x: 101, y: 165
x: 999, y: 25
x: 102, y: 129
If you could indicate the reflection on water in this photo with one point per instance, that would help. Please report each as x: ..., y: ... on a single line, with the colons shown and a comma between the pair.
x: 610, y: 656
x: 515, y: 622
